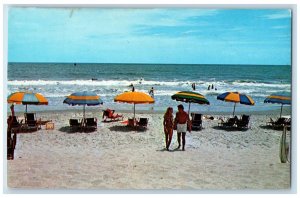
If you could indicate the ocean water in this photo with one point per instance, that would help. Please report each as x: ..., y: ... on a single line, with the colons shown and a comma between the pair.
x: 58, y: 80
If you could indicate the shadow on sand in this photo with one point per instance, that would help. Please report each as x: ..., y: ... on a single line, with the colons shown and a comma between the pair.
x: 170, y: 150
x: 273, y: 128
x: 230, y: 129
x: 127, y: 129
x: 67, y: 129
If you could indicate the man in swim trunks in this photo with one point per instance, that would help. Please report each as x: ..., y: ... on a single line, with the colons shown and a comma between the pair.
x: 182, y: 121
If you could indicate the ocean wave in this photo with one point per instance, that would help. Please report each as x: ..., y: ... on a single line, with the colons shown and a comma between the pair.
x: 142, y: 82
x: 94, y: 82
x: 256, y: 84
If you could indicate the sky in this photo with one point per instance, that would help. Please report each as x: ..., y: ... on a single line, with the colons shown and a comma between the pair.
x: 167, y: 36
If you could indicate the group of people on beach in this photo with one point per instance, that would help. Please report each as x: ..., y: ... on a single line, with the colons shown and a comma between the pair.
x: 181, y: 123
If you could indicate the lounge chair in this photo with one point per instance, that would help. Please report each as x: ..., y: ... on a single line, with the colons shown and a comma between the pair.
x: 229, y: 123
x: 90, y: 124
x: 142, y: 123
x: 109, y: 114
x: 196, y: 121
x: 280, y: 122
x: 31, y: 122
x: 75, y: 125
x: 243, y: 122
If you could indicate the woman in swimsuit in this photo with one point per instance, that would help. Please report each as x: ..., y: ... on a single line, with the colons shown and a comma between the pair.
x: 168, y: 126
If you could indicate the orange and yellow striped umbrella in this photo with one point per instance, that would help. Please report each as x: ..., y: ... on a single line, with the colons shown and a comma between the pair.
x: 236, y: 97
x: 283, y: 99
x: 134, y: 98
x: 83, y: 98
x: 27, y: 98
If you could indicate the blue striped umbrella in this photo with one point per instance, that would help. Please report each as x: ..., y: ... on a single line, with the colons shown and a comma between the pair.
x: 236, y: 97
x: 283, y: 99
x: 83, y: 98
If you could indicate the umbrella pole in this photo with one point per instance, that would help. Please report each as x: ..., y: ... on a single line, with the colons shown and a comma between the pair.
x: 26, y: 109
x: 133, y: 112
x: 281, y: 110
x: 83, y: 112
x: 234, y: 108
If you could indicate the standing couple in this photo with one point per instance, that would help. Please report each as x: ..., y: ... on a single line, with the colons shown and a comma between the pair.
x: 181, y: 124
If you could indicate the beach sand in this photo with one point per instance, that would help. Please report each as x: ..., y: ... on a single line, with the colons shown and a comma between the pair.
x: 114, y: 157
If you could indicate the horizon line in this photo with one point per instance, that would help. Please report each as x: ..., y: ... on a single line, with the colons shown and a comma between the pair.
x: 151, y: 63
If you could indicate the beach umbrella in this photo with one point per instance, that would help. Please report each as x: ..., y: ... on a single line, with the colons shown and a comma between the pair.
x: 83, y: 98
x: 134, y: 98
x: 236, y: 97
x: 279, y: 99
x: 190, y: 97
x: 27, y: 98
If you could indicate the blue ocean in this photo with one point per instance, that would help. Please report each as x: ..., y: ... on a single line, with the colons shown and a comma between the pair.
x: 58, y: 80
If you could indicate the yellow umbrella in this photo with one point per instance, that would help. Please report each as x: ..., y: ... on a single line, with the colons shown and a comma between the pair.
x: 134, y: 98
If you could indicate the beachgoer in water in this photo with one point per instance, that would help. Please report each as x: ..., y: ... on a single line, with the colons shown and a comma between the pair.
x: 208, y: 88
x: 194, y: 86
x: 168, y: 126
x: 132, y: 88
x: 182, y: 122
x: 141, y: 80
x: 212, y: 86
x: 151, y: 92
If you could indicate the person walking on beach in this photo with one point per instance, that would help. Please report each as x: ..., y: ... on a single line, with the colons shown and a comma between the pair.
x: 168, y: 126
x: 182, y: 122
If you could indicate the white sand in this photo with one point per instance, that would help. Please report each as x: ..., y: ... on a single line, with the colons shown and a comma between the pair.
x: 114, y: 157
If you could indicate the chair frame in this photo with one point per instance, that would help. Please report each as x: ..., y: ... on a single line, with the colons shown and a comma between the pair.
x: 74, y: 126
x: 196, y: 124
x: 92, y: 126
x: 30, y: 124
x: 141, y: 124
x: 243, y: 123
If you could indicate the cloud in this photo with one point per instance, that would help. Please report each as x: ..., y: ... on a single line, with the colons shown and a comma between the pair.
x: 279, y: 15
x: 279, y: 27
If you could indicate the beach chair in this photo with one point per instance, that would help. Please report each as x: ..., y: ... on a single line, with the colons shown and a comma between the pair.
x: 243, y: 122
x: 229, y: 123
x: 196, y: 121
x: 280, y: 122
x: 75, y: 125
x: 142, y: 123
x: 90, y: 124
x: 109, y: 114
x: 30, y: 121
